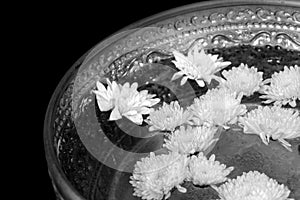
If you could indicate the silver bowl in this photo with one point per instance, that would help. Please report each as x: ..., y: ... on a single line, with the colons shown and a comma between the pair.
x: 83, y: 165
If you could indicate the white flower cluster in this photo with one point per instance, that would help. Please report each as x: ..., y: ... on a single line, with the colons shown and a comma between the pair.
x: 197, y: 65
x: 188, y: 140
x: 242, y: 79
x: 272, y: 122
x: 218, y: 106
x: 185, y: 137
x: 125, y: 101
x: 194, y: 130
x: 253, y: 186
x: 154, y: 177
x: 284, y: 87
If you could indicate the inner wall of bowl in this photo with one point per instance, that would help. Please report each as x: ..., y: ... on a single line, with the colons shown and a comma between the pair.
x: 81, y: 170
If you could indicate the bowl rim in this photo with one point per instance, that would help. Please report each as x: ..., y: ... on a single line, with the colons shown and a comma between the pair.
x: 185, y: 9
x: 209, y: 4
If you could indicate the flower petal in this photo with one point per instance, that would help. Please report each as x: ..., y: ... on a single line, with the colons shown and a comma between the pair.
x: 103, y: 103
x: 200, y: 83
x: 115, y: 114
x: 176, y: 75
x: 183, y: 80
x: 137, y: 118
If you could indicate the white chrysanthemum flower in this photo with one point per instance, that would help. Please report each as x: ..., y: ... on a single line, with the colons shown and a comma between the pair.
x: 203, y: 171
x: 168, y: 117
x: 191, y: 139
x: 242, y: 79
x: 154, y: 176
x: 125, y: 101
x: 275, y: 122
x: 253, y: 186
x: 218, y: 106
x: 198, y: 66
x: 284, y: 87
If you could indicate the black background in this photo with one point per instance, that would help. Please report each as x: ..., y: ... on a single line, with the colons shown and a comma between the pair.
x: 63, y: 33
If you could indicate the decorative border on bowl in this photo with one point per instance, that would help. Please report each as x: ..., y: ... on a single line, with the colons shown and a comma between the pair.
x: 218, y: 27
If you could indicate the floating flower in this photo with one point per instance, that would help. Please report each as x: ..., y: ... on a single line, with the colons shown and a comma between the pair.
x: 218, y: 106
x: 284, y: 87
x: 275, y: 122
x: 198, y: 66
x: 242, y: 79
x: 253, y: 186
x: 203, y: 171
x: 191, y: 139
x: 125, y: 101
x: 154, y: 176
x: 168, y: 117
